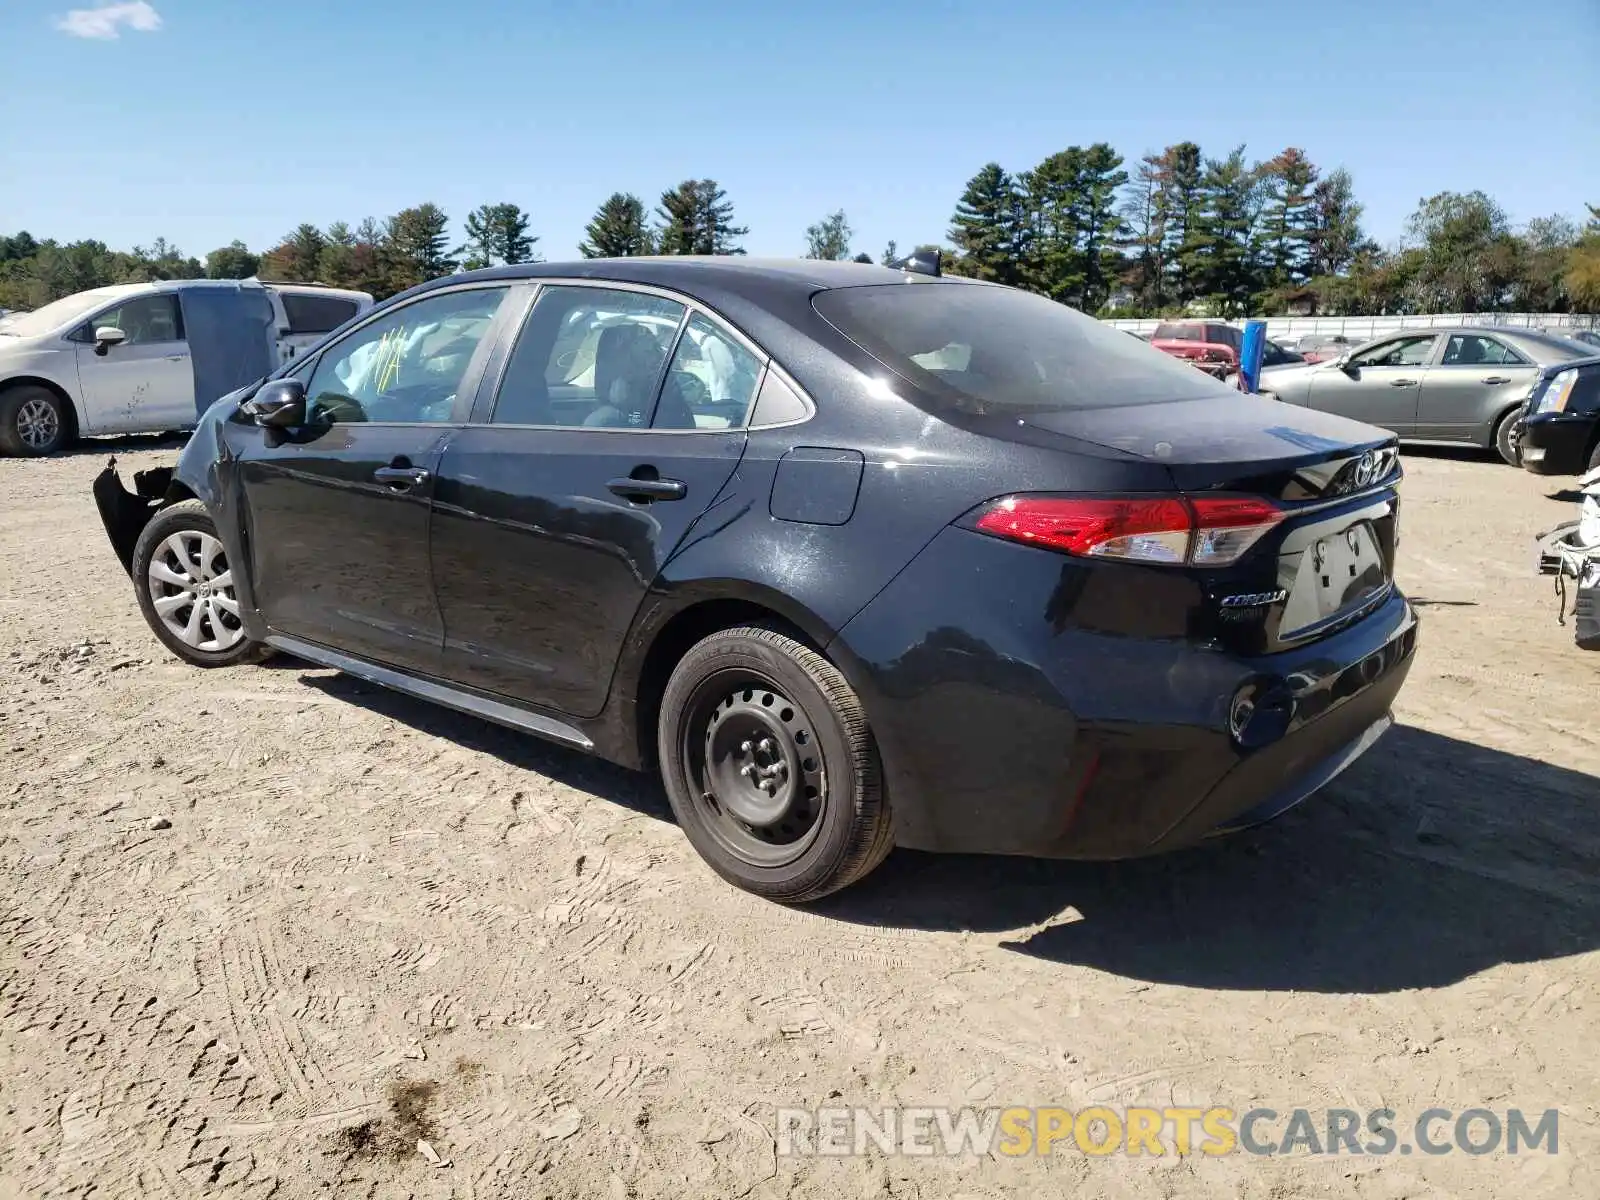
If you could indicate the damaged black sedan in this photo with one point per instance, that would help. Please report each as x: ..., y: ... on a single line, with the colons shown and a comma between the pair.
x: 854, y: 556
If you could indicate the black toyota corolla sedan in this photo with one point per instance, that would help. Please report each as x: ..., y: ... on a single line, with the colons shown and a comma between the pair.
x: 855, y: 556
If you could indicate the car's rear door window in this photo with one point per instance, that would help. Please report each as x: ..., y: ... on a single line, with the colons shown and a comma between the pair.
x: 589, y: 357
x: 985, y: 349
x: 711, y: 382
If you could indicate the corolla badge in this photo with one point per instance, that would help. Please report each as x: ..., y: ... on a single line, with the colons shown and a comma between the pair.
x: 1254, y: 599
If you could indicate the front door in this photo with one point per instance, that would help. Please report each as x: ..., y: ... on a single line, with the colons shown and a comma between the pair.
x: 1380, y: 385
x: 604, y: 445
x: 145, y: 383
x: 1477, y: 378
x: 336, y: 513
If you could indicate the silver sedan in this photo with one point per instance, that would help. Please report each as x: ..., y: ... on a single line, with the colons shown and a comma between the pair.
x: 1455, y: 386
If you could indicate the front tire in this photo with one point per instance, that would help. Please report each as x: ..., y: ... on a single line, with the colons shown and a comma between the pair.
x: 1508, y: 437
x: 33, y: 421
x: 185, y: 587
x: 771, y: 767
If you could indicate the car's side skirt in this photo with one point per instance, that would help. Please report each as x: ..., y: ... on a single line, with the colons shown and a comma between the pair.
x: 438, y: 693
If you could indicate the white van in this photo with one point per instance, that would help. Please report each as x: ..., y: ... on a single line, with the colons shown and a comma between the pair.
x: 149, y: 357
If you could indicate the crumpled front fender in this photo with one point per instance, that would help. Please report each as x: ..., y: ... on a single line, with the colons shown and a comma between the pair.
x: 125, y: 513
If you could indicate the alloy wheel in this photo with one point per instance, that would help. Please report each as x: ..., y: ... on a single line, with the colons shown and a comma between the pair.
x: 755, y: 767
x: 191, y: 590
x: 38, y: 425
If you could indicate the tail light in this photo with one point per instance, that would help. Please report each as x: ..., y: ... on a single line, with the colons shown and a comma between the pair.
x: 1198, y: 531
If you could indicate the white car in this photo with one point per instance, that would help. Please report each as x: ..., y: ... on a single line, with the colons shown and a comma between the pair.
x: 150, y: 357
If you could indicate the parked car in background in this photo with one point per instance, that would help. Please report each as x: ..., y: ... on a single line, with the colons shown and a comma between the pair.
x: 1458, y: 386
x: 943, y: 564
x: 1213, y: 346
x: 1561, y: 427
x: 1273, y: 356
x: 149, y: 357
x: 1589, y: 337
x: 1317, y: 347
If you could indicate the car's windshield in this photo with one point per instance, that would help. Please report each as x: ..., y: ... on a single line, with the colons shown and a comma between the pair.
x: 991, y: 350
x: 51, y: 316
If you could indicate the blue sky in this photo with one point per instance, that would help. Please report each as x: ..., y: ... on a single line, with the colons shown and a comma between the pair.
x: 223, y: 119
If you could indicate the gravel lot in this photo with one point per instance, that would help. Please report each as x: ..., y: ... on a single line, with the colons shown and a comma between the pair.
x: 262, y: 929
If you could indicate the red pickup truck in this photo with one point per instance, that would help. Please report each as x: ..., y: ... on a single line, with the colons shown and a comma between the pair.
x: 1213, y: 346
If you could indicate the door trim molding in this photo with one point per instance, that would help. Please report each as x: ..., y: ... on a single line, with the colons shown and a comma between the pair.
x: 437, y: 693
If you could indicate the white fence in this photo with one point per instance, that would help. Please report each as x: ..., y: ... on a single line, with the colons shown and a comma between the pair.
x: 1361, y: 329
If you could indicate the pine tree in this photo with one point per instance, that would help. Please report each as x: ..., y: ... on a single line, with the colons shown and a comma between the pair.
x: 1180, y: 216
x: 1335, y: 224
x: 1054, y: 202
x: 1144, y: 216
x: 1226, y: 263
x: 1099, y: 223
x: 337, y: 262
x: 1289, y: 215
x: 697, y: 218
x: 416, y: 246
x: 496, y: 233
x: 618, y: 229
x: 989, y: 228
x: 829, y: 238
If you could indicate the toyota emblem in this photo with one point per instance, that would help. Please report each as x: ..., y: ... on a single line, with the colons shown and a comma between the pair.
x: 1367, y: 468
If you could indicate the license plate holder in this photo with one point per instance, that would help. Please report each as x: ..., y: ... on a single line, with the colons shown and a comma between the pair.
x: 1337, y: 572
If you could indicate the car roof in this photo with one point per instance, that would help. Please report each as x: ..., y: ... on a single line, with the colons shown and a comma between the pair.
x: 751, y: 277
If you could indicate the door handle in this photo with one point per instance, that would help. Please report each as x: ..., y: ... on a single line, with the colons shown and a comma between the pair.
x: 404, y: 477
x: 1402, y: 383
x: 645, y: 490
x: 1495, y: 379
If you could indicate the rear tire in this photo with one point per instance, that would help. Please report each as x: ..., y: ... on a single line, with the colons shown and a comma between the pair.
x: 1508, y: 437
x: 771, y: 766
x: 33, y: 421
x: 185, y: 587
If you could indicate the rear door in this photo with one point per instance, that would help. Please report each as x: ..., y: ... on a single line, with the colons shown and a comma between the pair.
x: 1478, y: 377
x: 1381, y: 385
x: 336, y: 513
x: 584, y: 468
x: 145, y: 383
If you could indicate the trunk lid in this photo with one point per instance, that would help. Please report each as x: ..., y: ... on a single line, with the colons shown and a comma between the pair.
x: 1327, y: 563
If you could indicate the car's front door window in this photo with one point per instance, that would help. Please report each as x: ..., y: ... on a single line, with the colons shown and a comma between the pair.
x: 144, y: 321
x: 1402, y: 352
x: 407, y: 365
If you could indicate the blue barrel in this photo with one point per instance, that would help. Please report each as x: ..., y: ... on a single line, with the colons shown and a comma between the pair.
x: 1250, y: 352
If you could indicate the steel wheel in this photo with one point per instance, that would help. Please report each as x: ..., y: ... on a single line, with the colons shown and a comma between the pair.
x: 759, y: 781
x: 38, y: 424
x: 191, y: 590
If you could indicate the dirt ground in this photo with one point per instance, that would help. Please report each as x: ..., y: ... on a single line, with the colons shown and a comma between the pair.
x: 263, y: 929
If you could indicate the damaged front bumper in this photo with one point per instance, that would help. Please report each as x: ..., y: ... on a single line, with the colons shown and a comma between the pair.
x: 125, y: 513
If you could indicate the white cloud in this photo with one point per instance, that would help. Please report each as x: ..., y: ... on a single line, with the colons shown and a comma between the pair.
x: 105, y: 22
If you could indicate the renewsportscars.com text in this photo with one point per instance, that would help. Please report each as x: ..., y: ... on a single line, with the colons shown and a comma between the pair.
x: 1101, y: 1130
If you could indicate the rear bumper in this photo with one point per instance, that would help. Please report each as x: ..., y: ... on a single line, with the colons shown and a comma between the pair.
x: 1005, y: 729
x: 1558, y: 443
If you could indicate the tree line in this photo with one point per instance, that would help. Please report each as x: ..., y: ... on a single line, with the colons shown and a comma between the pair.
x: 1179, y: 232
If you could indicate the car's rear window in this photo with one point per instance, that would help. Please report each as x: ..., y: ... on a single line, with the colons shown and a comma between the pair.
x: 991, y: 350
x: 1180, y: 333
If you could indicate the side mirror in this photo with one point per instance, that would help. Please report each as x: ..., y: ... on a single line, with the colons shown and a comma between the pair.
x: 106, y: 337
x: 277, y: 404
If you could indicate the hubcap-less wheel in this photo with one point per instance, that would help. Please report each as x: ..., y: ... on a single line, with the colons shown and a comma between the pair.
x: 759, y: 780
x: 191, y: 589
x: 37, y: 423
